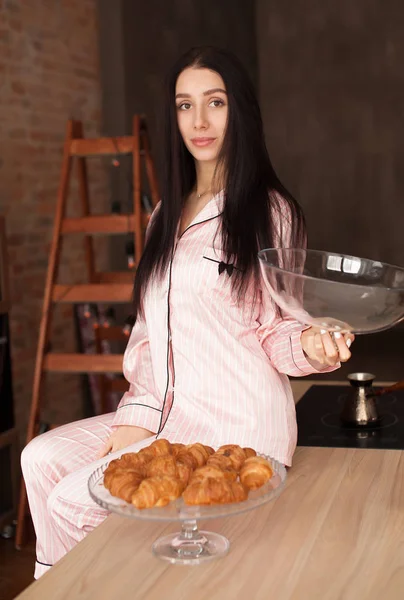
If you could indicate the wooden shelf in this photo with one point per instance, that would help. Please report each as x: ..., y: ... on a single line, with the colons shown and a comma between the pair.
x: 116, y: 277
x: 83, y: 363
x: 111, y: 334
x: 102, y: 146
x: 102, y: 224
x: 93, y: 292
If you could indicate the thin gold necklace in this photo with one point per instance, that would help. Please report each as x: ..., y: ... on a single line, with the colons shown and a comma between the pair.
x: 202, y: 193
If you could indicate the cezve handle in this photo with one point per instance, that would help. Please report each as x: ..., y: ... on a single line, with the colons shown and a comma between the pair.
x: 391, y: 388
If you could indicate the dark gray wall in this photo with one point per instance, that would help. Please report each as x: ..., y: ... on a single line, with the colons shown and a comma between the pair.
x: 141, y: 40
x: 332, y: 93
x: 331, y: 88
x: 157, y: 32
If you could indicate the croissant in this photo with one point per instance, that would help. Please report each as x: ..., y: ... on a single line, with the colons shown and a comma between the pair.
x: 162, y: 465
x: 184, y: 473
x: 175, y: 448
x: 221, y: 461
x: 131, y: 460
x: 249, y: 452
x: 109, y: 473
x: 145, y: 455
x: 235, y: 453
x: 230, y: 474
x: 114, y: 464
x: 206, y: 471
x: 214, y: 491
x: 156, y: 491
x: 200, y: 452
x: 171, y: 489
x: 123, y: 483
x: 255, y: 472
x: 167, y: 465
x: 208, y: 491
x: 161, y: 472
x: 187, y: 458
x: 193, y: 455
x: 216, y: 471
x: 239, y: 491
x: 160, y: 447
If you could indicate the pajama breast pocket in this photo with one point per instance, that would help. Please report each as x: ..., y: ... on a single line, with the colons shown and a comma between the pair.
x: 218, y: 274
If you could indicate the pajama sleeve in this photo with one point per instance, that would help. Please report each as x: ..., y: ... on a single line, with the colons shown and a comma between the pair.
x: 140, y: 405
x: 279, y: 334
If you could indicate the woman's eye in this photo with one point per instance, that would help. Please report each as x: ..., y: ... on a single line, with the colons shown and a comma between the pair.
x: 217, y: 103
x: 184, y: 106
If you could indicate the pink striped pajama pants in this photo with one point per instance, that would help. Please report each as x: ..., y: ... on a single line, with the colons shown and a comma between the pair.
x: 56, y: 466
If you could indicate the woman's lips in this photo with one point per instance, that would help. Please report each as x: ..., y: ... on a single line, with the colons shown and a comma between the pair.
x: 202, y: 141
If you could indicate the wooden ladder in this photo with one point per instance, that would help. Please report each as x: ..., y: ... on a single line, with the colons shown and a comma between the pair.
x: 115, y: 287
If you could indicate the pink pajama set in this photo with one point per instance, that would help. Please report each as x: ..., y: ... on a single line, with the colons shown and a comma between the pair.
x: 201, y: 368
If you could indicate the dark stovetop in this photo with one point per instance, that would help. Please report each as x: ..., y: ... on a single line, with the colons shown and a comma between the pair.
x: 319, y: 421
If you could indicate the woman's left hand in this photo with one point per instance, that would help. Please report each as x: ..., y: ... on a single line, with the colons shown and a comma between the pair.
x: 326, y: 349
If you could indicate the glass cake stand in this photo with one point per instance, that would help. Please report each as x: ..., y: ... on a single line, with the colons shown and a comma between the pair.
x: 334, y: 292
x: 190, y: 546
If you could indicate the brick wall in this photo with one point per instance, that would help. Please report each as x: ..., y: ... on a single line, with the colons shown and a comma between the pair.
x: 48, y: 72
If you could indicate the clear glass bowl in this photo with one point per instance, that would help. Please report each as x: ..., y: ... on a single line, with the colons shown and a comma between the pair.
x: 190, y: 546
x: 334, y: 292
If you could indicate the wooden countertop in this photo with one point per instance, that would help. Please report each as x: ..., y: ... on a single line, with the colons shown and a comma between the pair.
x: 335, y: 533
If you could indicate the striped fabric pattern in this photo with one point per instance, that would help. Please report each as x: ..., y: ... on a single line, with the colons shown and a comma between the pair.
x: 56, y: 467
x: 201, y: 368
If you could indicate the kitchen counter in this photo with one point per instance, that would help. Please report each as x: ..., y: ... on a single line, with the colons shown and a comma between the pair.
x: 335, y: 533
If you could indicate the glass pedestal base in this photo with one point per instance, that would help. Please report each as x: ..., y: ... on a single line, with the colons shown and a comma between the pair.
x: 191, y: 546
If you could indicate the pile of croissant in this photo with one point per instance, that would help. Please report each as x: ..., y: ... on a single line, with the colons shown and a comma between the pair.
x: 163, y: 472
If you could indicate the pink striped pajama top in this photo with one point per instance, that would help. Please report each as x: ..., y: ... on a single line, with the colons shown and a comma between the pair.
x: 203, y: 368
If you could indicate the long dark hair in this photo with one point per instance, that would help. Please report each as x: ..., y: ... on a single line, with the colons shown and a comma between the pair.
x: 251, y: 187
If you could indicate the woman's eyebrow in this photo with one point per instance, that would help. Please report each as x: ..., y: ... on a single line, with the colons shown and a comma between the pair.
x: 207, y: 93
x: 214, y: 91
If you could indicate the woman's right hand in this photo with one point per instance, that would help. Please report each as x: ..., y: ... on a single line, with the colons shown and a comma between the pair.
x: 123, y: 436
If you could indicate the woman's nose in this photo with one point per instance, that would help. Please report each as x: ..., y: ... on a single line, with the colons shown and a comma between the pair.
x: 200, y: 121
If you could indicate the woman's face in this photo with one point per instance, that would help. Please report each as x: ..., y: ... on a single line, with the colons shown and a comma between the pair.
x: 201, y: 100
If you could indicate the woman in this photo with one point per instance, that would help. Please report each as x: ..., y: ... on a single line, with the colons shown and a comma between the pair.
x: 209, y: 355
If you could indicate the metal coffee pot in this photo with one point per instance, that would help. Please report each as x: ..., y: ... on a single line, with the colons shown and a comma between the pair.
x: 360, y: 409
